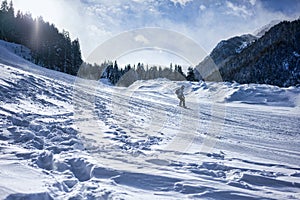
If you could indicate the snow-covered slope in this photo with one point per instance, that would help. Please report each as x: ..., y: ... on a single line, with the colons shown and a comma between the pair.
x: 66, y: 138
x: 17, y: 49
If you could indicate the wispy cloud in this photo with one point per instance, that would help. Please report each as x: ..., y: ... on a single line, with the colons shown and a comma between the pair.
x: 181, y: 2
x: 252, y: 2
x: 202, y: 7
x: 240, y: 11
x: 142, y: 39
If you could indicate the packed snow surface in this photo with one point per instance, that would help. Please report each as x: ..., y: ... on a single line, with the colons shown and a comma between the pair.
x: 62, y: 137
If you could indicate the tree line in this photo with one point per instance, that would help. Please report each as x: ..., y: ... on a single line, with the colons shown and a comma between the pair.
x: 49, y: 47
x: 125, y: 76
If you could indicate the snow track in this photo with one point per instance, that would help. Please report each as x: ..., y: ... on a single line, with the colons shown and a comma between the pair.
x: 68, y: 138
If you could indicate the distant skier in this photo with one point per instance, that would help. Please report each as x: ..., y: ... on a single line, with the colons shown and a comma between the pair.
x: 180, y: 96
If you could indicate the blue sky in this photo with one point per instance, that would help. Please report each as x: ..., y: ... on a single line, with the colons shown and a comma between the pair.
x: 205, y: 21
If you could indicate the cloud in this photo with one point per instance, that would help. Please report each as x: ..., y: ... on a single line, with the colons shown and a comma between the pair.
x: 237, y: 10
x: 252, y: 2
x: 141, y: 39
x: 181, y: 2
x: 202, y: 7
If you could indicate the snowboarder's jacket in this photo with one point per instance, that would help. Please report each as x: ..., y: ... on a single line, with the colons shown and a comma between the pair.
x: 179, y: 92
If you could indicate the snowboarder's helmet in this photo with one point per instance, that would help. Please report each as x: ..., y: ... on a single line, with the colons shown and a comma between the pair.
x: 182, y: 86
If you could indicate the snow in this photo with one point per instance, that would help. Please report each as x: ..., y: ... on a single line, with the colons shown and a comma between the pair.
x: 221, y: 44
x: 17, y: 49
x: 296, y: 54
x: 62, y: 137
x: 241, y: 47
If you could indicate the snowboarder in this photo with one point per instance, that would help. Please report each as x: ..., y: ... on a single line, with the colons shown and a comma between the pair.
x: 180, y: 96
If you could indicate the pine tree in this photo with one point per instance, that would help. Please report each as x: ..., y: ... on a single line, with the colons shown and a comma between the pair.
x: 191, y: 75
x: 75, y: 56
x: 140, y: 71
x: 4, y: 6
x: 11, y: 10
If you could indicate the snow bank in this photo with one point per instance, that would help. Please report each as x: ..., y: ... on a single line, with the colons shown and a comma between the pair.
x: 19, y: 56
x: 255, y: 94
x: 19, y: 181
x: 17, y: 49
x: 265, y: 95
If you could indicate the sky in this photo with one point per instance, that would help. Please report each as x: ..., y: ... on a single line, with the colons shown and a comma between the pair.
x: 206, y: 22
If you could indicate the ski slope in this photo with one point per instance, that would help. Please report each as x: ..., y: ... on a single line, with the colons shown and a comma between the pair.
x: 62, y: 137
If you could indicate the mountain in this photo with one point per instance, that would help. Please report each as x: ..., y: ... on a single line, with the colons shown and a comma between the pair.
x: 261, y: 31
x: 271, y: 59
x: 227, y: 49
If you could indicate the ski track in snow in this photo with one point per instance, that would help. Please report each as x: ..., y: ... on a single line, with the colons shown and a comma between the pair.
x: 63, y: 138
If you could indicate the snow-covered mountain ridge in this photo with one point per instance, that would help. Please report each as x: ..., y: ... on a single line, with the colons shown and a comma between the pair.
x: 269, y: 59
x: 62, y: 137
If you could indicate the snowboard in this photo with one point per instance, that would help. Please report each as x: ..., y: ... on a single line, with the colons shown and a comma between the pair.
x: 185, y: 107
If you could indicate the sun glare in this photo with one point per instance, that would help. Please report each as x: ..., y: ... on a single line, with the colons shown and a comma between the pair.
x: 48, y: 10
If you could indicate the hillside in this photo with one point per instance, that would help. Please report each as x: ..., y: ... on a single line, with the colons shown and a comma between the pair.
x: 272, y: 59
x: 70, y: 138
x: 48, y: 47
